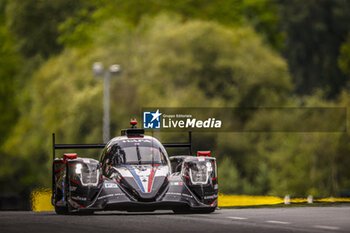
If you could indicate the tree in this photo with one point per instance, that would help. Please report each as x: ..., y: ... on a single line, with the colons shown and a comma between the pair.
x: 160, y: 57
x: 9, y: 62
x: 344, y: 57
x: 35, y: 24
x: 314, y: 32
x: 261, y: 14
x: 231, y: 66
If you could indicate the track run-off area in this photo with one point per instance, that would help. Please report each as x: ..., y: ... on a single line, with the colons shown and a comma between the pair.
x: 281, y: 219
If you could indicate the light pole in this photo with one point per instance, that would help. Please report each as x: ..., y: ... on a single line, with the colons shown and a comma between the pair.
x: 99, y: 70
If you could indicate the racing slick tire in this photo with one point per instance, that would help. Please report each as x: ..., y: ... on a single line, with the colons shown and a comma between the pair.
x: 85, y: 212
x: 61, y: 210
x: 67, y: 209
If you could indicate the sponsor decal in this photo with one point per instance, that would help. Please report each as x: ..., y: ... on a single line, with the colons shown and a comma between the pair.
x: 136, y: 140
x: 111, y: 195
x: 179, y: 194
x: 105, y: 196
x: 174, y: 193
x: 176, y: 183
x: 86, y: 160
x: 144, y: 179
x: 111, y: 185
x: 216, y: 186
x: 79, y: 198
x: 72, y: 188
x: 151, y: 120
x: 211, y: 196
x: 186, y: 195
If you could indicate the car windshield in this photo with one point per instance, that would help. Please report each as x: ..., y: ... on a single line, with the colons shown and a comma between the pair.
x: 142, y: 154
x: 137, y: 153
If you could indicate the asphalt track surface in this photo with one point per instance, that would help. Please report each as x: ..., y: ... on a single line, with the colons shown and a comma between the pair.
x: 296, y: 219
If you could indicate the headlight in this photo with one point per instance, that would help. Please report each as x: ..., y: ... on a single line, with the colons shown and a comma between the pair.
x: 78, y: 168
x: 209, y: 167
x: 199, y: 172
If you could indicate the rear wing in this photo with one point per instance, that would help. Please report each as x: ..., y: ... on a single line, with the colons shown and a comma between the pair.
x: 101, y: 146
x: 72, y: 146
x: 181, y: 145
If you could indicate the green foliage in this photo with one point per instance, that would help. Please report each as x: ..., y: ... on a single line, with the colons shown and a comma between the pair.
x: 35, y: 24
x: 241, y: 157
x: 314, y: 32
x: 262, y: 14
x: 344, y: 57
x: 303, y: 163
x: 230, y: 180
x: 77, y: 29
x: 228, y: 66
x: 160, y: 56
x: 9, y: 63
x: 178, y: 54
x: 281, y: 163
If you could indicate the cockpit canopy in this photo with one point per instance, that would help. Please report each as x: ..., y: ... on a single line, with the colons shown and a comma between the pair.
x: 134, y: 151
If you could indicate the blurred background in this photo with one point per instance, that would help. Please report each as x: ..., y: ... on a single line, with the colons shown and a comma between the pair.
x: 184, y: 53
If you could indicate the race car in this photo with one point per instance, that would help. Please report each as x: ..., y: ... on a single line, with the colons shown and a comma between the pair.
x: 134, y: 173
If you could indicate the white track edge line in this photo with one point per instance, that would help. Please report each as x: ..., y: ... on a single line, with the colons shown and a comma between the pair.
x: 277, y: 222
x: 326, y: 227
x: 237, y: 218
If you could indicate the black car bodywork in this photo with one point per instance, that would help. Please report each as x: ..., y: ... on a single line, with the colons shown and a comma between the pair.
x: 134, y: 174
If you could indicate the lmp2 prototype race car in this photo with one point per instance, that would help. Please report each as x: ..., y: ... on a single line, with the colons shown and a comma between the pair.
x: 134, y: 174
